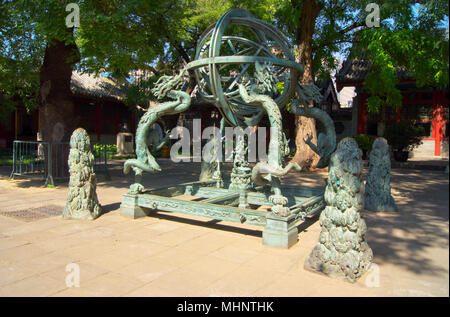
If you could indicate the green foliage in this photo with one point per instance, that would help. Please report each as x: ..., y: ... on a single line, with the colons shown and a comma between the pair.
x: 412, y: 43
x: 6, y: 155
x: 364, y: 141
x: 403, y: 136
x: 411, y: 38
x: 21, y: 49
x: 119, y: 36
x: 99, y: 150
x: 25, y: 29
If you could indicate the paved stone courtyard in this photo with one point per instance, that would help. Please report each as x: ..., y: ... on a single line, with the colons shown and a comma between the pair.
x: 176, y: 255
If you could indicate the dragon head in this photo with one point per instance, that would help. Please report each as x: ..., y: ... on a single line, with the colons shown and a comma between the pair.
x: 167, y: 83
x: 308, y: 93
x: 265, y: 79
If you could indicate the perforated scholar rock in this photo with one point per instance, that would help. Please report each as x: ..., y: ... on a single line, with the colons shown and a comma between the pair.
x: 378, y: 189
x: 82, y: 202
x: 342, y: 251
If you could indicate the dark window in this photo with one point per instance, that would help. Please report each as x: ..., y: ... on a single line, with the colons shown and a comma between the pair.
x: 87, y: 110
x: 385, y: 113
x: 372, y: 128
x: 446, y: 130
x: 88, y: 124
x: 416, y: 112
x: 389, y: 113
x: 426, y: 127
x: 125, y: 116
x: 339, y: 127
x: 124, y: 112
x: 108, y: 127
x: 373, y: 116
x: 425, y: 112
x: 427, y: 96
x: 109, y: 111
x: 412, y: 96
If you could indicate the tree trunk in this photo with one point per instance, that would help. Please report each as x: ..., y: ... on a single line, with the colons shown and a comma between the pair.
x: 304, y: 156
x: 56, y: 105
x: 56, y: 110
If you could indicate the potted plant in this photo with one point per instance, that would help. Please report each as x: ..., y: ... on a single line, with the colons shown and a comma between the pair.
x: 365, y: 143
x: 403, y: 137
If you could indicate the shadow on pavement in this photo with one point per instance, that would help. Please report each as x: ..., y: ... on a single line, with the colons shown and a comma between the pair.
x: 406, y: 238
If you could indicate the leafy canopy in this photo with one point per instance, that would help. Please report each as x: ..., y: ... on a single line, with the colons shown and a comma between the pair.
x: 119, y: 36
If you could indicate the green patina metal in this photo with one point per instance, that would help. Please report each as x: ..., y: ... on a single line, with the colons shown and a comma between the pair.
x: 239, y: 75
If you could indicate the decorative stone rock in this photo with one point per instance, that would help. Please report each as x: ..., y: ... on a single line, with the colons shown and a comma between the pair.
x: 210, y: 168
x: 342, y: 251
x: 82, y: 202
x: 378, y: 189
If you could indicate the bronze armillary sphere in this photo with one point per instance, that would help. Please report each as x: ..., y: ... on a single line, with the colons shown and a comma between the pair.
x: 213, y: 64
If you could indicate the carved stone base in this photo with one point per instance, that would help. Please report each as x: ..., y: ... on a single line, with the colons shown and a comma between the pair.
x: 279, y: 233
x: 130, y: 209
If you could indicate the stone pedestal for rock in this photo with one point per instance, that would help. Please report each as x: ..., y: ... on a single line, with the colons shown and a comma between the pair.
x: 82, y: 202
x: 342, y: 251
x: 378, y: 189
x: 124, y: 143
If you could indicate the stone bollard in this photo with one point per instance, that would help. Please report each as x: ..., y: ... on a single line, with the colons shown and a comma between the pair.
x: 377, y: 195
x: 342, y: 251
x: 82, y: 202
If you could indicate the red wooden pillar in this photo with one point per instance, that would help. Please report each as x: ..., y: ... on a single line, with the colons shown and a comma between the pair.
x: 438, y: 121
x: 362, y: 113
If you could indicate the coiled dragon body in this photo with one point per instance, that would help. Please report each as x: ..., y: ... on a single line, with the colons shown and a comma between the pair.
x: 144, y: 161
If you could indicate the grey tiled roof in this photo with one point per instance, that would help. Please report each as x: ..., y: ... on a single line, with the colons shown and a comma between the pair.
x: 356, y: 70
x: 90, y: 85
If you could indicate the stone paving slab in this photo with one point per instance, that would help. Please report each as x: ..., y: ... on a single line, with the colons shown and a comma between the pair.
x: 179, y: 255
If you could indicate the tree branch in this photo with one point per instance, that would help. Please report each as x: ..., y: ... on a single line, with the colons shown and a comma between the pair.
x: 351, y: 27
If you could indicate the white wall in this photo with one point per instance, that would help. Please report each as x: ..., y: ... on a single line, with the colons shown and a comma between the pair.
x: 426, y: 149
x: 444, y: 149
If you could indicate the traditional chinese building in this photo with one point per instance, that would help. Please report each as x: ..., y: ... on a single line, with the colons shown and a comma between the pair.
x: 99, y: 109
x: 428, y: 106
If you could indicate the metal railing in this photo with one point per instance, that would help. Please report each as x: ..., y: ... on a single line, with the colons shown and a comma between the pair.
x: 49, y: 160
x: 101, y: 155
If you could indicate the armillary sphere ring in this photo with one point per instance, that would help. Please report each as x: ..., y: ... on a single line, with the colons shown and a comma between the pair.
x: 269, y: 46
